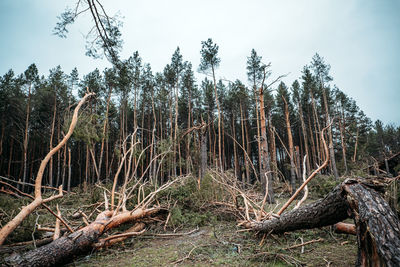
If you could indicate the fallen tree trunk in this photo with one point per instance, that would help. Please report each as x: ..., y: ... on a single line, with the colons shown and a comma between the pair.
x: 378, y: 228
x: 7, y: 229
x: 345, y: 228
x: 65, y: 248
x: 323, y: 212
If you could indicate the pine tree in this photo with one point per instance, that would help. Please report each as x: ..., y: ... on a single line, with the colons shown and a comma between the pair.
x: 210, y: 60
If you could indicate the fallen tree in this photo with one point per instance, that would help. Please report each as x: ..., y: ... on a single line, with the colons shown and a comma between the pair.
x: 377, y: 226
x: 101, y: 232
x: 38, y: 200
x: 87, y: 239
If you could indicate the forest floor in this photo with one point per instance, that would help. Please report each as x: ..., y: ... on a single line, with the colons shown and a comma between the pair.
x: 222, y: 245
x: 196, y: 235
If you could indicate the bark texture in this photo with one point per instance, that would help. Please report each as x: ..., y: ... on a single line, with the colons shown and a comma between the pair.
x: 65, y: 248
x: 378, y: 228
x: 323, y: 212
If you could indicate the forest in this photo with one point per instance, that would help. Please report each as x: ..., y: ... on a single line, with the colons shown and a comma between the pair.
x: 167, y: 112
x: 168, y: 150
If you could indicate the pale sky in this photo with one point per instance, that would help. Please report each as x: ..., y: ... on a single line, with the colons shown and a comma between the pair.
x: 359, y: 39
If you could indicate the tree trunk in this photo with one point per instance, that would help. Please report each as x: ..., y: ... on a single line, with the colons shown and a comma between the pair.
x: 26, y: 138
x: 203, y: 153
x: 64, y: 249
x: 291, y: 149
x: 258, y: 132
x: 245, y: 160
x: 265, y: 174
x: 38, y: 200
x: 317, y: 129
x: 176, y: 144
x: 219, y: 120
x: 305, y: 137
x: 313, y: 146
x: 248, y: 150
x: 51, y: 141
x: 173, y: 163
x: 378, y: 228
x: 189, y: 137
x: 342, y: 131
x: 235, y: 154
x: 10, y: 157
x: 105, y: 127
x: 328, y: 120
x: 355, y: 148
x: 64, y: 166
x: 69, y: 170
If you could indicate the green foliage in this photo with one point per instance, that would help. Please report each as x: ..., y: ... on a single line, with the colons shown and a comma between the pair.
x: 321, y: 185
x: 87, y: 129
x: 190, y: 200
x: 9, y: 208
x: 186, y: 217
x: 209, y: 56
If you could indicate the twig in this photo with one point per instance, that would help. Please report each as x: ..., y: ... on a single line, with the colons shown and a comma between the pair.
x: 43, y: 204
x: 25, y: 183
x: 174, y: 235
x: 123, y: 235
x: 57, y: 227
x: 306, y: 243
x: 188, y: 255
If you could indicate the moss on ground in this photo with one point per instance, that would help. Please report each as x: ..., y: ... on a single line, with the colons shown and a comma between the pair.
x: 222, y: 245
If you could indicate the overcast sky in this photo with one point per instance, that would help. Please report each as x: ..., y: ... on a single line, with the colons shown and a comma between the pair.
x: 359, y: 39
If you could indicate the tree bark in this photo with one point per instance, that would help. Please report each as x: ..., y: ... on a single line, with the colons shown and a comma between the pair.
x: 219, y: 120
x: 328, y: 120
x: 265, y: 174
x: 235, y: 159
x: 323, y: 212
x: 51, y: 140
x: 105, y: 130
x: 378, y: 228
x: 245, y: 160
x: 63, y: 249
x: 274, y: 164
x: 203, y: 147
x: 355, y: 148
x: 291, y: 150
x: 26, y: 138
x: 304, y: 131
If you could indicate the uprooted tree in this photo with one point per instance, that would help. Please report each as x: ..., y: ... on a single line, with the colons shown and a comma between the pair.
x: 92, y: 236
x: 362, y: 199
x: 38, y: 200
x: 377, y: 226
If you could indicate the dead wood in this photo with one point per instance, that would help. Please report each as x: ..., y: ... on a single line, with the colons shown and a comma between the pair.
x: 65, y: 248
x: 345, y: 228
x: 312, y: 175
x: 305, y: 243
x: 323, y: 212
x: 377, y: 226
x: 25, y: 211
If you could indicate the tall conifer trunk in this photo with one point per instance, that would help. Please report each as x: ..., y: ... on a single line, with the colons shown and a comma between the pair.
x: 291, y: 149
x: 245, y: 160
x: 26, y: 138
x: 265, y: 174
x: 51, y: 140
x: 305, y: 137
x: 328, y: 119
